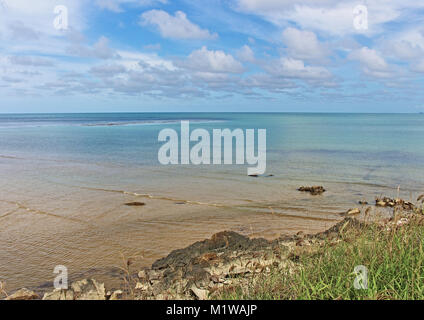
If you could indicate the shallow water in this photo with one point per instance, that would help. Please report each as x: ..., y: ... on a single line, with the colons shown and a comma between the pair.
x: 65, y: 180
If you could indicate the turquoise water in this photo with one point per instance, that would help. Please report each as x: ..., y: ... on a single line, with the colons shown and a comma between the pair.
x: 337, y: 147
x: 66, y: 177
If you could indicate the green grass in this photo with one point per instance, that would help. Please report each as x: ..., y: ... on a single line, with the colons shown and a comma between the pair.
x: 394, y: 259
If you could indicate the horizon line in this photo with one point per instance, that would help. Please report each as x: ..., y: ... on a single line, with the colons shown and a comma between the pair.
x: 217, y: 112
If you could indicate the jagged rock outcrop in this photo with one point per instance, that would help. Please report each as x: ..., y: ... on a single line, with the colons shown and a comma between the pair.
x: 87, y: 289
x: 23, y: 294
x: 199, y: 270
x: 205, y: 268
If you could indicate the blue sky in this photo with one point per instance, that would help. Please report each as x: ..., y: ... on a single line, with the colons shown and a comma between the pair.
x: 215, y: 55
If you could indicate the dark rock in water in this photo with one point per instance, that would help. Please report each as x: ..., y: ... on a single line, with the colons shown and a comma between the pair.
x: 135, y: 204
x: 394, y: 203
x: 315, y: 190
x: 257, y: 176
x: 362, y: 202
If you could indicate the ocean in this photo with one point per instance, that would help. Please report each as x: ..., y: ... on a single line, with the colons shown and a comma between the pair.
x: 65, y: 180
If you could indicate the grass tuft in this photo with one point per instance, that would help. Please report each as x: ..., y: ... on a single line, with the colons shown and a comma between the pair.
x: 394, y: 257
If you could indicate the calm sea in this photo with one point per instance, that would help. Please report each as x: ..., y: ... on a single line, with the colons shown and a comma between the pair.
x: 65, y: 179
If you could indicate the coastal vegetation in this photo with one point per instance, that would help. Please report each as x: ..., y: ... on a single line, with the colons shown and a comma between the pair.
x: 392, y: 252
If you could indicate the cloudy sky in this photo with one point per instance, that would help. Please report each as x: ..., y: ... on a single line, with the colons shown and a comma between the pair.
x: 212, y: 55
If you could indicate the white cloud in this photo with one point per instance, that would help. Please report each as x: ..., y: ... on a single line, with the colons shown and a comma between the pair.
x: 19, y: 17
x: 30, y: 61
x: 100, y: 50
x: 116, y: 5
x: 369, y: 58
x: 131, y: 60
x: 175, y: 27
x: 293, y: 68
x: 336, y: 20
x: 204, y: 60
x: 30, y: 44
x: 372, y: 63
x: 269, y: 83
x: 277, y: 5
x: 408, y: 45
x: 405, y: 46
x: 309, y: 14
x: 304, y: 45
x: 246, y: 54
x: 11, y: 79
x: 330, y: 16
x: 418, y: 66
x: 108, y: 70
x: 19, y: 31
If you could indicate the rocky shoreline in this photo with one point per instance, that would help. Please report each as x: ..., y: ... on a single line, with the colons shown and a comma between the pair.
x: 206, y: 268
x: 199, y: 271
x: 202, y: 270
